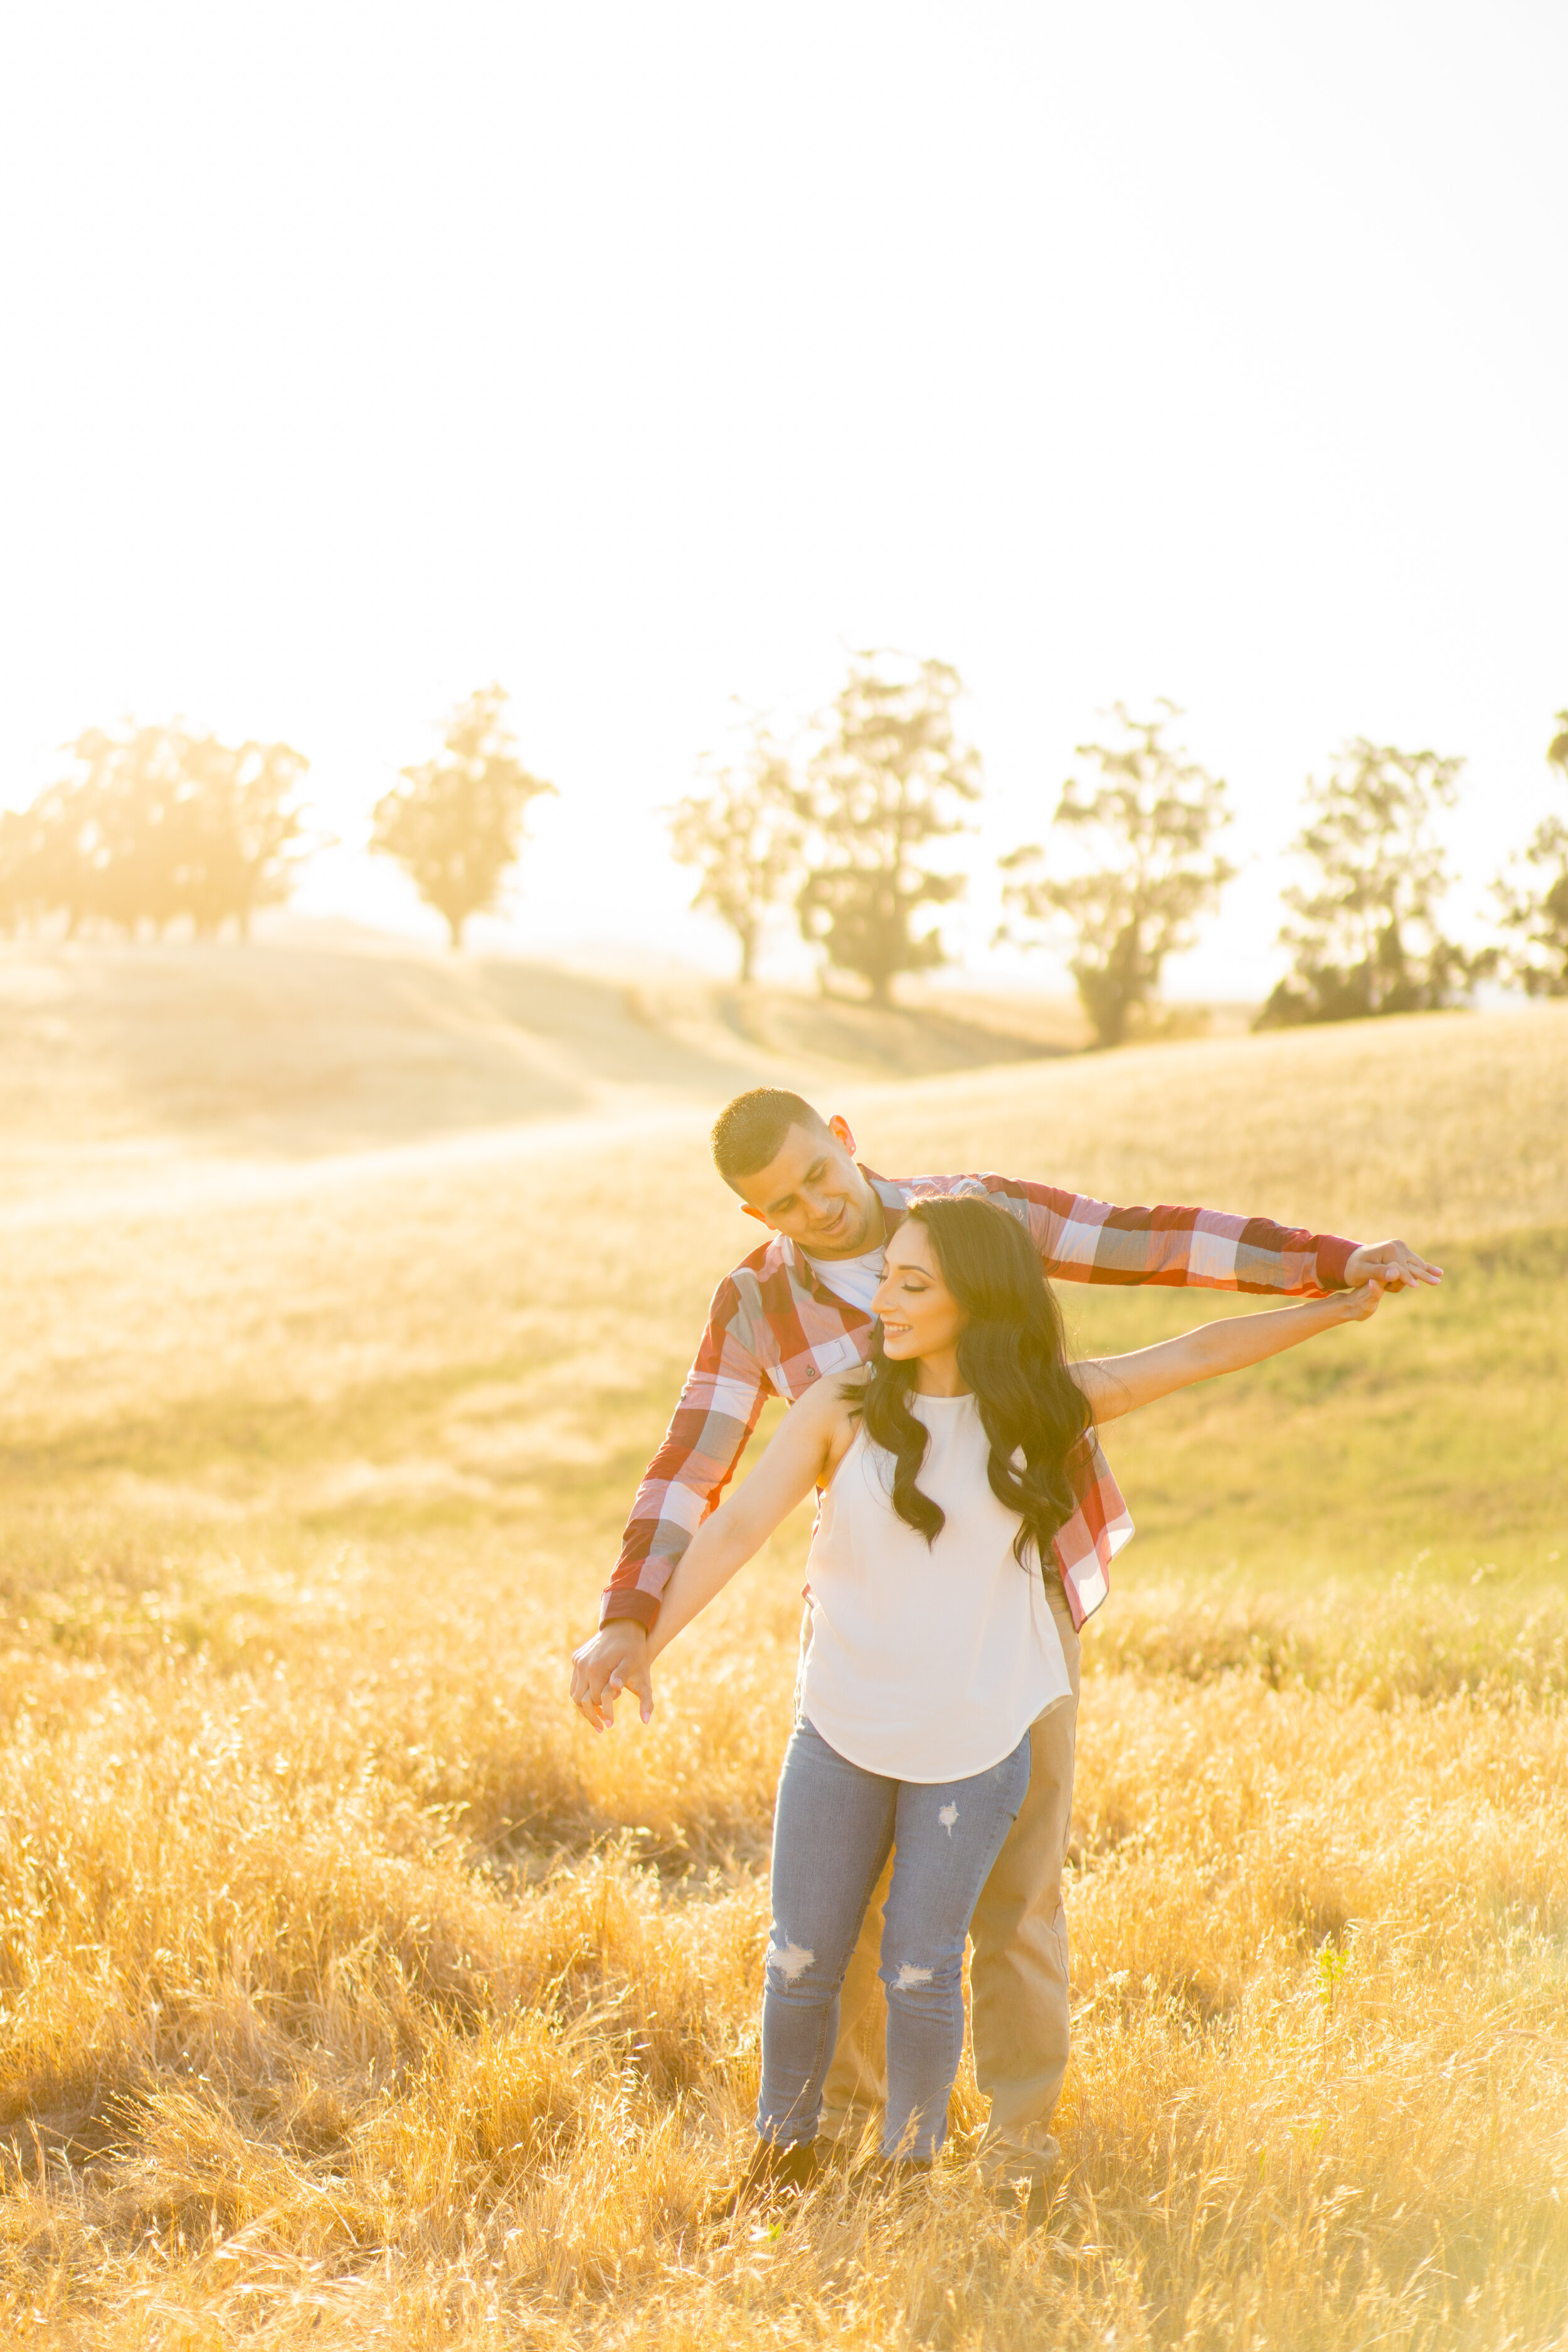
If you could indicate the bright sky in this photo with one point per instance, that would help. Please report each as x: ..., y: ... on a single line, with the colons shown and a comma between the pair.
x: 643, y: 357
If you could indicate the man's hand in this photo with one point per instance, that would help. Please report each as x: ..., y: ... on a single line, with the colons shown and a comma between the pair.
x: 1394, y: 1264
x: 616, y: 1660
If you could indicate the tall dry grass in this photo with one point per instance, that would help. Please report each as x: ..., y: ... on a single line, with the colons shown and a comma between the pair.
x: 349, y: 1997
x: 352, y: 1994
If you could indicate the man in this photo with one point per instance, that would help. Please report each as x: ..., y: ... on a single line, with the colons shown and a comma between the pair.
x: 797, y: 1309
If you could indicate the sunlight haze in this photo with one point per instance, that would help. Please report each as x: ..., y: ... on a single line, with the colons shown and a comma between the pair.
x: 643, y: 359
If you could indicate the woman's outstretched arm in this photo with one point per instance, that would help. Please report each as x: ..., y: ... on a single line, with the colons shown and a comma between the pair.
x: 1119, y: 1384
x: 799, y: 1454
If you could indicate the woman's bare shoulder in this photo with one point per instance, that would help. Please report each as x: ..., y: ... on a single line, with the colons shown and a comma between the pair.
x: 829, y: 1405
x: 842, y: 1398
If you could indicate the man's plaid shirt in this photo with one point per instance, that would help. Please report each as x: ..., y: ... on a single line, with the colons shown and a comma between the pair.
x: 772, y: 1330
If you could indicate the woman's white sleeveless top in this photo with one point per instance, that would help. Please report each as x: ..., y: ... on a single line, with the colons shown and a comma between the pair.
x: 926, y: 1663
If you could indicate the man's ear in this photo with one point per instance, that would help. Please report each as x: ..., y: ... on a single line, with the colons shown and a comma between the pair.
x: 747, y: 1211
x: 842, y: 1132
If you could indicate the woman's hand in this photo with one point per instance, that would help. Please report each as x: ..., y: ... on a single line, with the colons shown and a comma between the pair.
x: 1355, y: 1306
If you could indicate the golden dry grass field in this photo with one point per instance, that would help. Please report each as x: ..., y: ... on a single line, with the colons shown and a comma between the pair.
x: 353, y: 1995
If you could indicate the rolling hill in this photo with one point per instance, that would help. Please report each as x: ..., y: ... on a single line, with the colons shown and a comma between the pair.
x: 345, y: 1042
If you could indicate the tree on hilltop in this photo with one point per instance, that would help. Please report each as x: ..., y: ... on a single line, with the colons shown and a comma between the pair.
x: 890, y: 775
x: 455, y: 824
x: 1538, y: 964
x: 242, y: 829
x: 1147, y: 818
x: 118, y: 826
x: 22, y: 900
x: 153, y: 824
x: 743, y: 836
x: 1366, y: 935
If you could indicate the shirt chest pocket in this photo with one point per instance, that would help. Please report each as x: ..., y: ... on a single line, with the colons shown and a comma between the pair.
x: 798, y: 1373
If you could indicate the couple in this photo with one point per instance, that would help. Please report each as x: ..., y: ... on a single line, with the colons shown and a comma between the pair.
x: 966, y: 1522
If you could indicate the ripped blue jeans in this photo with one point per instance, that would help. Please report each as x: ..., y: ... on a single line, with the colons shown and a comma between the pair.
x: 832, y: 1829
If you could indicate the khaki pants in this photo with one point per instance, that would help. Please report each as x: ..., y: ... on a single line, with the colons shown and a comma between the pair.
x: 1018, y: 1973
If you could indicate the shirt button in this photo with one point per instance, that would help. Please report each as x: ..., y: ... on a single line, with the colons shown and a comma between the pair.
x: 811, y: 1372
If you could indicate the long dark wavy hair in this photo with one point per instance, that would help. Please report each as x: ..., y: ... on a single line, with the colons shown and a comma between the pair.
x: 1012, y: 1354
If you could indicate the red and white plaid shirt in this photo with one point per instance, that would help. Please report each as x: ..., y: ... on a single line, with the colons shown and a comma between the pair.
x: 773, y: 1329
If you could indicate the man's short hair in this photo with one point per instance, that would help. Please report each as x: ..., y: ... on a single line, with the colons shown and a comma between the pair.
x: 749, y: 1131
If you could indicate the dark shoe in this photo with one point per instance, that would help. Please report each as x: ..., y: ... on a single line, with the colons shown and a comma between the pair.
x: 1032, y: 2203
x: 1022, y: 2176
x: 773, y: 2172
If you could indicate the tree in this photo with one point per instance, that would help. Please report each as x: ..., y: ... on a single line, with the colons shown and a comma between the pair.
x: 888, y: 776
x: 1147, y: 818
x: 113, y: 833
x: 242, y: 828
x: 1540, y: 963
x: 744, y: 837
x: 153, y: 824
x: 48, y: 863
x: 20, y: 893
x: 1366, y: 935
x: 455, y: 825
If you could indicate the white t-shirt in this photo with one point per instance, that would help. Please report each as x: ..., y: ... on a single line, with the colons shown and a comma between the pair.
x: 854, y: 1279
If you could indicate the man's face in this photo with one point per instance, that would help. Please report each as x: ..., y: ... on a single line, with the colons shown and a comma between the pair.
x: 812, y: 1191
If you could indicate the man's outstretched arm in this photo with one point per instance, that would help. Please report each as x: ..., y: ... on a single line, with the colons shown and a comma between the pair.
x: 719, y: 1408
x: 720, y: 1405
x: 1083, y: 1240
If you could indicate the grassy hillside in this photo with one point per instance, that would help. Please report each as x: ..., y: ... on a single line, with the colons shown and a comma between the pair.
x: 352, y: 1993
x: 225, y: 1314
x: 1454, y: 1125
x: 333, y: 1044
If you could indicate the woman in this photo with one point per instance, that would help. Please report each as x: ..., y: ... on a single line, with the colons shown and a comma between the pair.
x: 945, y: 1469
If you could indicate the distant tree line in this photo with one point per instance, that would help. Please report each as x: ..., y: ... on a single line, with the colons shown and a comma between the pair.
x: 155, y: 825
x: 848, y: 837
x: 842, y: 830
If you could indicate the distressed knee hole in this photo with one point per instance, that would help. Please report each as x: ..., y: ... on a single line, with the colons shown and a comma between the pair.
x: 909, y: 1977
x: 947, y: 1817
x: 792, y: 1962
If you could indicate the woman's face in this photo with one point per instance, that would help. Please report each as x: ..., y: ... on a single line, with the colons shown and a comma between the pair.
x: 921, y: 1316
